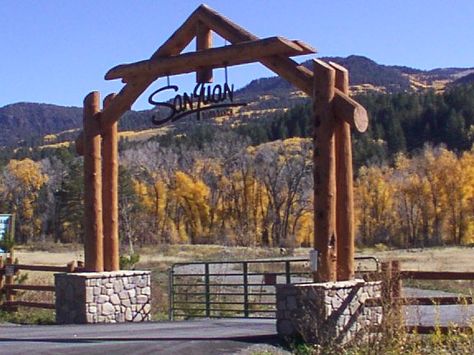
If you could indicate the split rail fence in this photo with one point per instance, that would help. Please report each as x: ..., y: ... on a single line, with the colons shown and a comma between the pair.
x: 9, y: 288
x: 393, y: 278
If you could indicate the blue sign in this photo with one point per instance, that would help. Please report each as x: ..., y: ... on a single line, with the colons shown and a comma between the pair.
x: 5, y: 225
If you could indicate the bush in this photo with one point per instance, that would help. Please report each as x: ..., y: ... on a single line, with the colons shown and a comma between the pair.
x: 128, y: 262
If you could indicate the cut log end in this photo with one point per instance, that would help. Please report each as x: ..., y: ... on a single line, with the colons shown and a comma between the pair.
x: 350, y: 111
x: 93, y: 98
x: 361, y: 119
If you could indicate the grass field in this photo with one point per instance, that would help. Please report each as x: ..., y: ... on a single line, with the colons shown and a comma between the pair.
x: 428, y: 259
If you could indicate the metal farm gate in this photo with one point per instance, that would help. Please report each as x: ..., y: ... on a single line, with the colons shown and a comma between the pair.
x: 237, y: 289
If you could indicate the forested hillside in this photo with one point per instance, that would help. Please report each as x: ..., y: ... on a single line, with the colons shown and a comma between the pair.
x: 24, y: 124
x: 401, y: 122
x: 249, y: 181
x: 29, y: 124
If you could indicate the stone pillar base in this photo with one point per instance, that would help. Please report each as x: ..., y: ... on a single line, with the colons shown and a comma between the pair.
x: 321, y: 313
x: 103, y: 297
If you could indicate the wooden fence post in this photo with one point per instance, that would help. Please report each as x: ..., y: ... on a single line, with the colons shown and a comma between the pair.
x: 387, y: 296
x: 344, y: 187
x: 386, y: 269
x: 396, y: 289
x: 72, y: 266
x: 396, y: 280
x: 324, y: 157
x: 110, y: 171
x: 9, y: 278
x: 93, y: 244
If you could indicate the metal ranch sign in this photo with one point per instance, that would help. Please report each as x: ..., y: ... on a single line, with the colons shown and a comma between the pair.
x: 203, y: 98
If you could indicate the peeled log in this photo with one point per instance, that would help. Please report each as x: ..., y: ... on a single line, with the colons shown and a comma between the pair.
x: 240, y: 53
x: 93, y: 225
x: 324, y: 155
x: 110, y: 167
x: 344, y: 187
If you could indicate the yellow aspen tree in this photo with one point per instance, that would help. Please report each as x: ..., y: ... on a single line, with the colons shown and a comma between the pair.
x: 411, y: 195
x: 375, y: 205
x: 23, y: 180
x: 305, y: 230
x: 430, y: 165
x: 453, y: 179
x: 467, y: 165
x: 192, y: 197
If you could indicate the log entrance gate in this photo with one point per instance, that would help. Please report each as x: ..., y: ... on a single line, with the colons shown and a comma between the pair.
x: 334, y: 115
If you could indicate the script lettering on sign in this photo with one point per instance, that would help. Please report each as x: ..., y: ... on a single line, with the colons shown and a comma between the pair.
x: 203, y: 98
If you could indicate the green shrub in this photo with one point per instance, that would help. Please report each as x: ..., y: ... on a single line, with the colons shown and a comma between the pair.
x: 128, y: 262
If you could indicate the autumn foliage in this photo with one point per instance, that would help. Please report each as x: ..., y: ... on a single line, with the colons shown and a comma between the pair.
x: 233, y: 193
x: 420, y: 201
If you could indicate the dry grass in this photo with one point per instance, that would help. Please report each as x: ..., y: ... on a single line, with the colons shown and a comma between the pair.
x: 56, y: 145
x: 144, y: 134
x: 430, y: 259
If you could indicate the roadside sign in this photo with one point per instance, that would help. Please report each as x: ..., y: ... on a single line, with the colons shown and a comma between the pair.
x: 6, y: 227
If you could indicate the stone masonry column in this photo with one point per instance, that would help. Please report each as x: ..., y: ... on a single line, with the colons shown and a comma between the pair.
x: 105, y: 297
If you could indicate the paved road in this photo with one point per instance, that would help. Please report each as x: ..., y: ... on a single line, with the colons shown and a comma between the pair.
x: 187, y: 337
x: 223, y: 336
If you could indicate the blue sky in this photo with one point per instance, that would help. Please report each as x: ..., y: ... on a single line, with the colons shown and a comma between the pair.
x: 56, y: 51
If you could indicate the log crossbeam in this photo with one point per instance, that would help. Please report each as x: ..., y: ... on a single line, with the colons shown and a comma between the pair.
x: 240, y: 53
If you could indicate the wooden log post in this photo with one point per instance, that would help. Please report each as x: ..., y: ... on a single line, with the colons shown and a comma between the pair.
x: 396, y: 284
x: 203, y: 41
x: 386, y: 271
x: 324, y: 157
x: 110, y: 167
x: 93, y: 243
x: 71, y: 266
x: 344, y: 187
x: 9, y: 279
x: 396, y: 290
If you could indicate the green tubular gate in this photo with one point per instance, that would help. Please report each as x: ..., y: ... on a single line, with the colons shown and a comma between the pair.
x: 237, y: 289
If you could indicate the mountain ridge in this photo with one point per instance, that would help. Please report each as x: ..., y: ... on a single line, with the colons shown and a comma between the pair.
x: 27, y: 124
